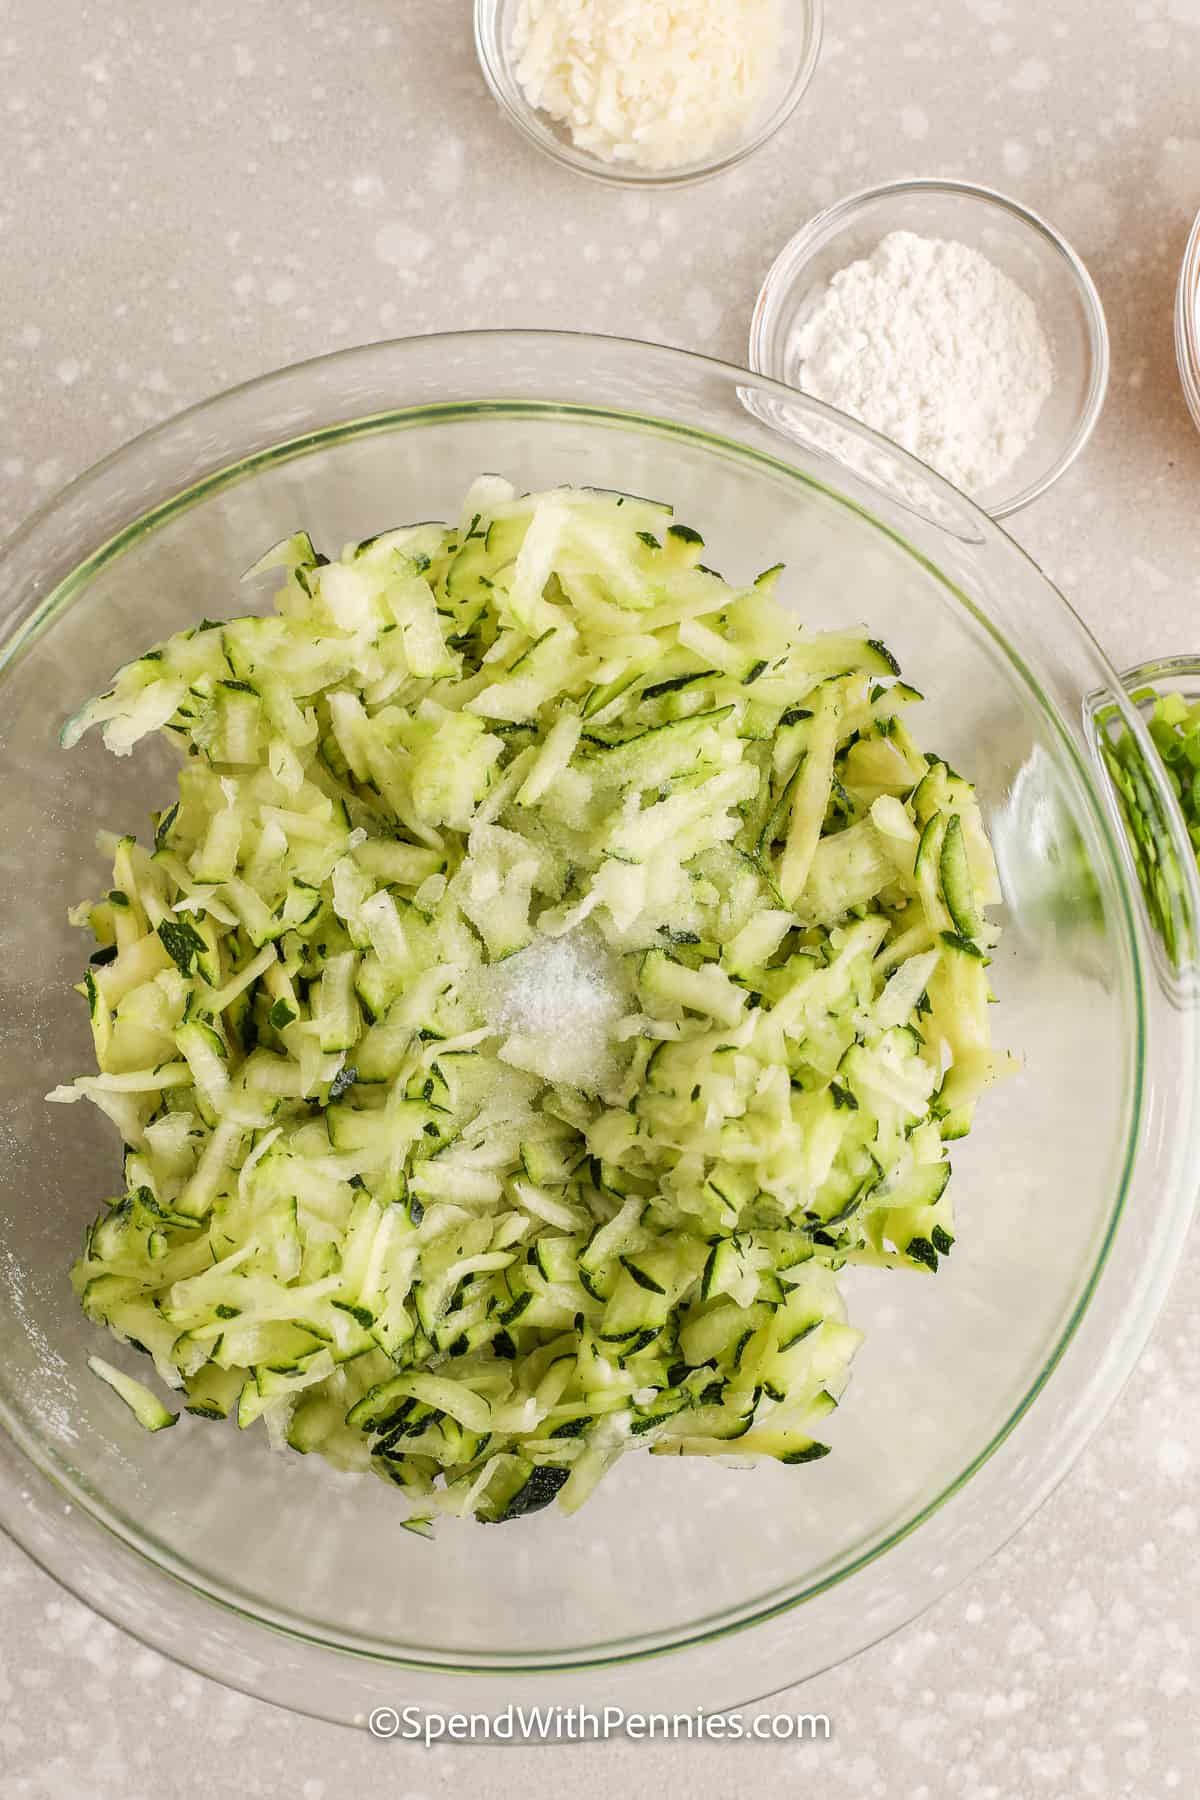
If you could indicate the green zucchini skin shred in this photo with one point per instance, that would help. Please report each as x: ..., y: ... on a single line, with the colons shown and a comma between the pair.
x: 142, y: 1402
x: 362, y: 1206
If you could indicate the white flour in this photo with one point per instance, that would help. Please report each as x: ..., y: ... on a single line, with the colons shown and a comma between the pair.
x: 934, y: 346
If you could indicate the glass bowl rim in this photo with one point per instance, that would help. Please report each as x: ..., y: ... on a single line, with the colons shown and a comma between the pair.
x: 823, y: 227
x: 1187, y: 322
x: 286, y: 448
x: 488, y: 19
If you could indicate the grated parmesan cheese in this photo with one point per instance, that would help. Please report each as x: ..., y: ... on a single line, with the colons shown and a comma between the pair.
x: 652, y: 82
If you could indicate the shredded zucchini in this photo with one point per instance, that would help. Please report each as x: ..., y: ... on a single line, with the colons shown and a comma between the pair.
x: 554, y: 966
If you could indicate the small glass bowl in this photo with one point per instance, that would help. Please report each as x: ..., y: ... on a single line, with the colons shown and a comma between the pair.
x: 800, y: 47
x: 1187, y: 323
x: 1024, y: 246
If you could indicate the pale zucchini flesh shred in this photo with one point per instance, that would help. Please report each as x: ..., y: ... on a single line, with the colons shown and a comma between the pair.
x: 352, y: 1205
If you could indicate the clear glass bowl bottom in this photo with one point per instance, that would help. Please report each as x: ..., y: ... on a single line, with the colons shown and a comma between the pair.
x: 682, y: 1584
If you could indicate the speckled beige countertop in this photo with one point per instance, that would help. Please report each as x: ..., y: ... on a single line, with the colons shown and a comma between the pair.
x: 194, y: 193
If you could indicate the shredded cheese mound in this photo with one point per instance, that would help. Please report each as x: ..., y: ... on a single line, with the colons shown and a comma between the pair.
x: 655, y: 83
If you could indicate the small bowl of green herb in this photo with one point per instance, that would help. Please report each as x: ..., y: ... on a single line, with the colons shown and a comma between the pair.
x: 1167, y: 695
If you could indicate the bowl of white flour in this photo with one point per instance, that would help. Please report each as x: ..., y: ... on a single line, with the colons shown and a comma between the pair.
x: 951, y: 320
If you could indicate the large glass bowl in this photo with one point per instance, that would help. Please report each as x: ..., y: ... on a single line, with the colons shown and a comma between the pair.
x: 682, y: 1584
